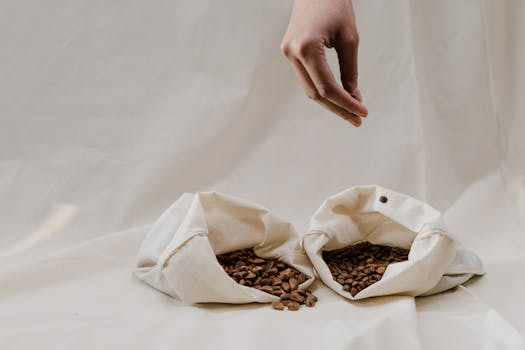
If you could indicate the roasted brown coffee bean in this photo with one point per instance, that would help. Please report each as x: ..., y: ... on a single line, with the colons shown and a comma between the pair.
x: 293, y: 306
x: 278, y: 305
x: 301, y: 292
x: 266, y: 289
x: 310, y: 301
x: 293, y: 283
x: 358, y: 266
x: 273, y: 271
x: 297, y: 297
x: 269, y: 276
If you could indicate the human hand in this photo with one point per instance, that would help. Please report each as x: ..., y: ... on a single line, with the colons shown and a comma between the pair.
x: 314, y: 25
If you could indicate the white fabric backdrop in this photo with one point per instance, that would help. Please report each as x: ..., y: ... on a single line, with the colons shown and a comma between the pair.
x: 110, y: 110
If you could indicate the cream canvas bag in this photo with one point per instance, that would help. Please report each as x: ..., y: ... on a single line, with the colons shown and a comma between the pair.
x: 178, y: 255
x: 436, y: 260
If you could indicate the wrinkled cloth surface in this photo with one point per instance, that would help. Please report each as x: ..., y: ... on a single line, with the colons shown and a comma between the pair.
x: 109, y: 111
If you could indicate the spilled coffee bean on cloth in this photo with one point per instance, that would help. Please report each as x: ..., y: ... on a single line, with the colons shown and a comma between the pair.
x: 361, y: 265
x: 268, y: 275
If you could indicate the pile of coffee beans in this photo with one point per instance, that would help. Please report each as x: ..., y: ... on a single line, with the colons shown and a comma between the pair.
x: 268, y: 275
x: 361, y: 265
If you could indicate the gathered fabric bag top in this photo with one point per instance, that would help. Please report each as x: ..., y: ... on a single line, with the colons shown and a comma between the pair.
x: 178, y: 255
x: 436, y: 260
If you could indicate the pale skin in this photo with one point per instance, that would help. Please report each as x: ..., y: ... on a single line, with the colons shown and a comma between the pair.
x: 316, y: 25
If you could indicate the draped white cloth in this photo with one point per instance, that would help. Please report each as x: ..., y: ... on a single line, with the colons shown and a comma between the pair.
x: 110, y: 110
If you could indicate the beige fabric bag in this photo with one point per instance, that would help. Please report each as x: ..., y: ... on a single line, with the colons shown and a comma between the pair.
x: 436, y: 260
x: 178, y: 255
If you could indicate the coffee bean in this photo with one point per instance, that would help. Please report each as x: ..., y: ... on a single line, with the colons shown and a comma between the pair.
x: 278, y: 305
x: 358, y: 266
x: 268, y: 275
x: 239, y: 263
x: 297, y: 297
x: 293, y: 283
x: 301, y: 292
x: 266, y: 289
x: 286, y: 274
x: 310, y: 301
x: 313, y: 297
x: 293, y: 306
x: 273, y: 271
x: 277, y: 292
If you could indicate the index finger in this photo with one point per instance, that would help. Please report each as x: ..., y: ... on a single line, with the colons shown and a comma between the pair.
x: 319, y: 71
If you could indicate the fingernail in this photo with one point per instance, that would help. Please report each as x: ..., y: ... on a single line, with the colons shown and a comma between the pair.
x: 355, y: 122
